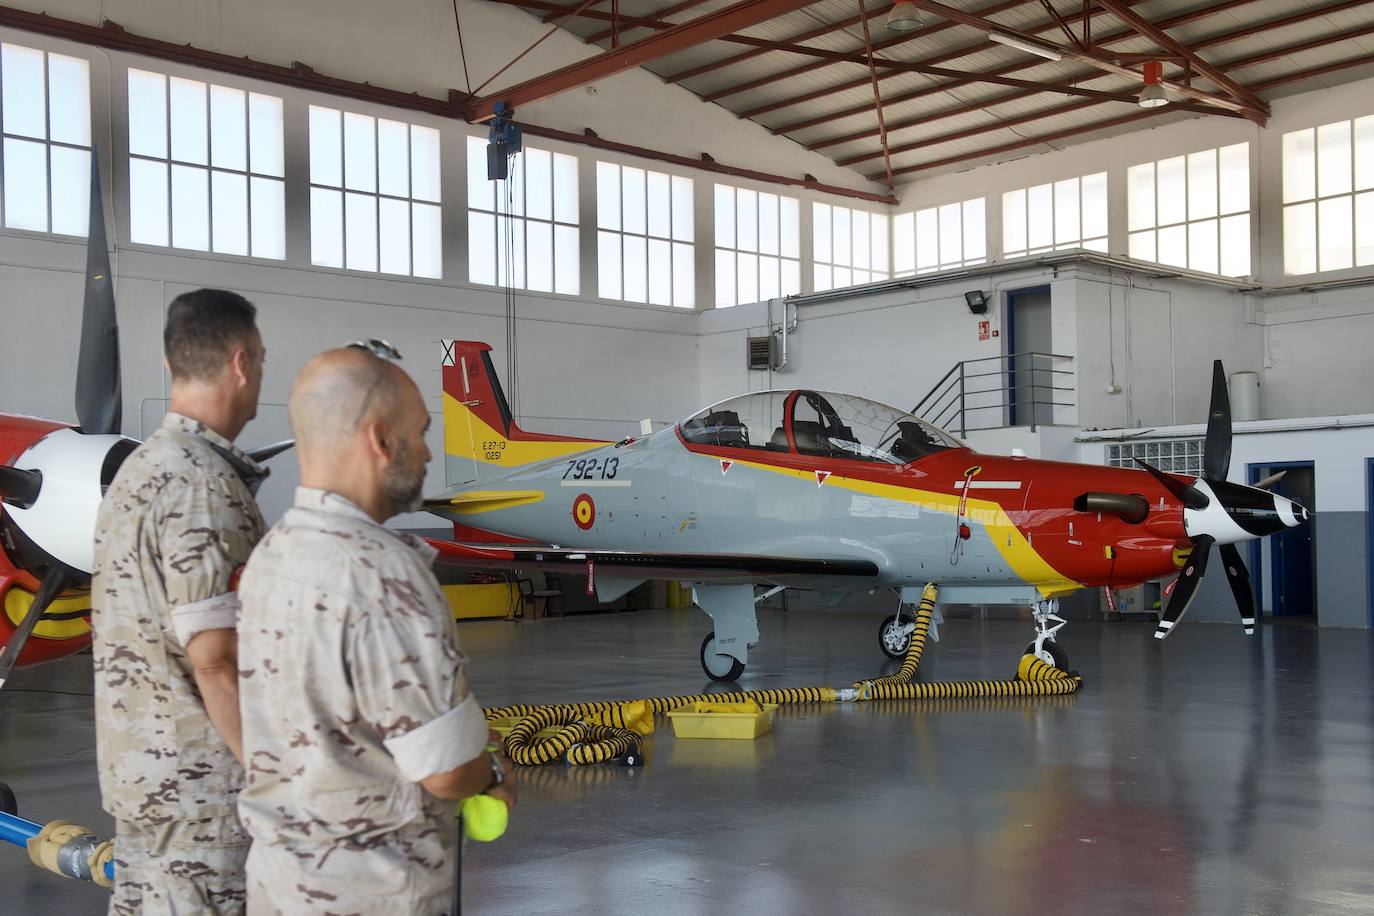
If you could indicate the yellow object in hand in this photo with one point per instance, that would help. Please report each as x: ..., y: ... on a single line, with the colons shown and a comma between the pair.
x: 484, y: 818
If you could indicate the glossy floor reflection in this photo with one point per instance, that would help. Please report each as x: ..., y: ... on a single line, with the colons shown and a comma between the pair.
x: 1208, y: 775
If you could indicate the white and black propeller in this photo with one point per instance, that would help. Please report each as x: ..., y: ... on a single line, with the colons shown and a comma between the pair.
x: 1218, y: 512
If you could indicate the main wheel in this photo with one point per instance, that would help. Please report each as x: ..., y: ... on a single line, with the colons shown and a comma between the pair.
x: 892, y: 639
x: 1052, y: 654
x: 718, y: 667
x: 7, y: 801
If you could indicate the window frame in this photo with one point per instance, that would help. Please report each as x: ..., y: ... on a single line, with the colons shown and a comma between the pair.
x: 916, y: 218
x: 1219, y: 217
x: 735, y: 253
x: 1079, y: 239
x: 690, y: 297
x: 830, y: 265
x: 1353, y: 196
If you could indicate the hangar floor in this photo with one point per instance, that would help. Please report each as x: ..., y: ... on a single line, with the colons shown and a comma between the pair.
x: 1209, y: 775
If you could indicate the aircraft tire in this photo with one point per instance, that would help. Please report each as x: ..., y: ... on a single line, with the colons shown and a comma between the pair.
x: 1058, y: 657
x: 889, y: 648
x: 8, y: 804
x: 720, y: 674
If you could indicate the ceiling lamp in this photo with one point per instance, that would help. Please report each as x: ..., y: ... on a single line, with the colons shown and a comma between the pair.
x: 903, y: 17
x: 1011, y: 41
x: 1153, y: 96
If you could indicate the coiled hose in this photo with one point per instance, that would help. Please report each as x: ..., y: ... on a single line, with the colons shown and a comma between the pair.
x: 597, y: 732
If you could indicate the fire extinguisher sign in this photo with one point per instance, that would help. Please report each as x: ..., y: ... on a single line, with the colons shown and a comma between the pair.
x: 984, y: 330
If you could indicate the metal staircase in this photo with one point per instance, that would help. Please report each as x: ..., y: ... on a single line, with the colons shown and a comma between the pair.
x: 1015, y: 389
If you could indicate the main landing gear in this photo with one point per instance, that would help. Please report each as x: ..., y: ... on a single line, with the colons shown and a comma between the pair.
x: 725, y: 651
x: 894, y: 633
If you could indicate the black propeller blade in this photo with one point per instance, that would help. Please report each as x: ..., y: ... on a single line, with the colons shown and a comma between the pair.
x: 54, y: 582
x: 1216, y: 449
x: 19, y: 487
x: 1269, y: 481
x: 1239, y: 577
x: 1186, y: 587
x: 99, y: 403
x: 267, y: 452
x: 1193, y: 499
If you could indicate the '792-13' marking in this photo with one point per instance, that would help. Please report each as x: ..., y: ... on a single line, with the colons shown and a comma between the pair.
x: 592, y: 469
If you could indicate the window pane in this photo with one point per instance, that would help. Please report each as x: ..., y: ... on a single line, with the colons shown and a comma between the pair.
x: 927, y: 239
x: 229, y: 212
x: 148, y: 202
x: 228, y: 128
x: 725, y: 278
x: 1140, y: 196
x: 725, y: 216
x: 539, y: 186
x: 878, y: 242
x: 608, y: 203
x: 1300, y: 238
x: 1364, y: 153
x: 1235, y: 245
x: 1335, y: 233
x: 1067, y: 211
x: 1299, y: 166
x: 190, y: 121
x: 842, y: 238
x: 393, y: 217
x: 746, y: 220
x: 71, y: 197
x: 660, y: 207
x: 1094, y: 205
x: 768, y: 223
x: 393, y: 163
x: 820, y: 235
x: 1173, y: 246
x: 1142, y: 245
x: 268, y: 212
x: 424, y: 164
x: 567, y: 269
x: 265, y: 155
x: 842, y: 277
x: 326, y: 228
x: 69, y: 100
x: 1172, y: 199
x: 1364, y: 229
x: 1039, y: 216
x: 821, y: 278
x: 360, y: 152
x: 1333, y: 160
x: 747, y: 278
x: 1096, y: 244
x: 190, y: 208
x: 1202, y: 184
x: 1013, y: 222
x: 26, y: 184
x: 481, y: 191
x: 481, y: 248
x: 360, y: 232
x: 1202, y: 246
x: 904, y: 243
x: 1234, y: 177
x: 661, y: 269
x: 791, y: 277
x: 789, y: 227
x: 684, y: 221
x: 608, y: 264
x: 951, y: 234
x: 24, y: 98
x: 510, y: 252
x: 325, y: 150
x: 426, y: 241
x: 632, y: 206
x: 684, y: 276
x: 539, y: 256
x: 636, y: 277
x: 863, y: 256
x: 147, y: 114
x: 768, y: 278
x: 565, y: 189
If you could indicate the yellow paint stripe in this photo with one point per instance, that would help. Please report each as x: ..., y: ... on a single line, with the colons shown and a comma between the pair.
x: 1016, y: 551
x: 477, y: 501
x: 466, y: 435
x: 17, y: 604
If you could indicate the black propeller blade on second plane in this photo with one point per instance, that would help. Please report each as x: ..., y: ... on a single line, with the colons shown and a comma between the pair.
x: 99, y: 402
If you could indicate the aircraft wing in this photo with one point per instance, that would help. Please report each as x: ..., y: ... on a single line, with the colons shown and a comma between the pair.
x: 699, y: 567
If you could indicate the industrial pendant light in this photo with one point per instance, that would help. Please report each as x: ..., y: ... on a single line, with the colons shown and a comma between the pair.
x: 1153, y: 96
x: 903, y: 17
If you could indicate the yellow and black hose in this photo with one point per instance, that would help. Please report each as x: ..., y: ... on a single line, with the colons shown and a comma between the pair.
x: 585, y: 733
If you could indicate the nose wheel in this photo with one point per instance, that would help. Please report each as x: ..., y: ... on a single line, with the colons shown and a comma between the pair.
x: 894, y: 637
x: 719, y: 667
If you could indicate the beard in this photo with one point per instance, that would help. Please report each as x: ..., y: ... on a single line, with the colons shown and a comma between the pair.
x: 403, y: 481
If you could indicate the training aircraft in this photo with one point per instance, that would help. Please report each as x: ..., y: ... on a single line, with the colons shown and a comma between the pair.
x: 52, y: 478
x: 834, y: 493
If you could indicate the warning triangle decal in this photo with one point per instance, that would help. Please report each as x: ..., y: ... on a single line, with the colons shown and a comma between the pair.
x: 725, y: 466
x: 821, y: 477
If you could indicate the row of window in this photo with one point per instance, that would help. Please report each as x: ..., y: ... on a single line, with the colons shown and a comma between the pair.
x: 207, y: 173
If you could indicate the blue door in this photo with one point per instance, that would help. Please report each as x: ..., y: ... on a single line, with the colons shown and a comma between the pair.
x: 1292, y: 552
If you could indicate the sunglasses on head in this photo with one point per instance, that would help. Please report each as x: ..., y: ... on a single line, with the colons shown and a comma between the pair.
x: 377, y: 347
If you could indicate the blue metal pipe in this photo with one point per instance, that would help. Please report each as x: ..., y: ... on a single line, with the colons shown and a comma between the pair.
x: 17, y: 830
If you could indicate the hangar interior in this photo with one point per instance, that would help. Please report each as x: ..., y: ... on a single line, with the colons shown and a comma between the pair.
x: 961, y: 209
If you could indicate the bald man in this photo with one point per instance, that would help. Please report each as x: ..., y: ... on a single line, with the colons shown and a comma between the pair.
x: 358, y: 727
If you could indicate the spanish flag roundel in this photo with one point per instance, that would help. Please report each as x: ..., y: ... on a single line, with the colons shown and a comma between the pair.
x: 584, y: 512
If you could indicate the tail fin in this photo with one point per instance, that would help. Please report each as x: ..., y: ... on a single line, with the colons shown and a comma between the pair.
x: 481, y: 439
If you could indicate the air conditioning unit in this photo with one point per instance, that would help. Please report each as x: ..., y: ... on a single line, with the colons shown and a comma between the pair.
x: 760, y: 353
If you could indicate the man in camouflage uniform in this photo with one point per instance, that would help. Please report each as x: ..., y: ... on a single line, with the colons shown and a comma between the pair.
x: 176, y: 525
x: 358, y: 726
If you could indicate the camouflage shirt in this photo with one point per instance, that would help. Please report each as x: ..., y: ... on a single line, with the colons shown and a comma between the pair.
x: 353, y: 690
x: 178, y: 521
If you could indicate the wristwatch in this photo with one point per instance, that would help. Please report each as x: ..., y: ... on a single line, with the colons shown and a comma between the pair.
x: 498, y: 772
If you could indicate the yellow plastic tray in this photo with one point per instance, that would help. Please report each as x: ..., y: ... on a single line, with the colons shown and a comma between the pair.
x: 722, y: 720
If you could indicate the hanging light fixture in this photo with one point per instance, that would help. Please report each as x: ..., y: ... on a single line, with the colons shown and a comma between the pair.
x: 1153, y: 95
x: 903, y: 17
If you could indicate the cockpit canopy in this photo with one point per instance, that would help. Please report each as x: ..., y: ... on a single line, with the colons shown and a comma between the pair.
x: 819, y: 423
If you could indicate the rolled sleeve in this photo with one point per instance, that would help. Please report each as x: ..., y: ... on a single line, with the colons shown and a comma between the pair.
x: 206, y: 531
x: 441, y: 744
x: 216, y: 613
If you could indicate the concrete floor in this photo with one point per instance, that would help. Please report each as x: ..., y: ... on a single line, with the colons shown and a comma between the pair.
x: 1210, y: 774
